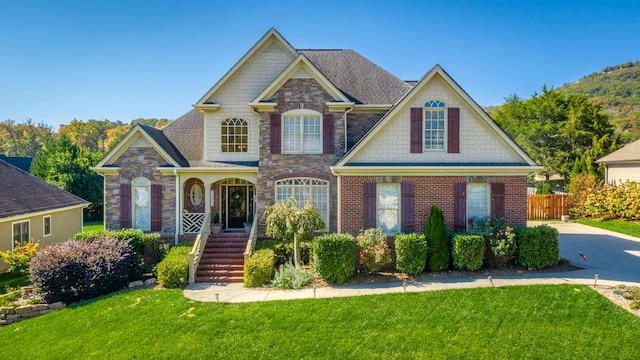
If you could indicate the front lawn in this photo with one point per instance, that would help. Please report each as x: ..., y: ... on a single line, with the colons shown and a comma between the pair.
x: 12, y: 280
x: 93, y: 226
x: 621, y: 226
x: 560, y: 322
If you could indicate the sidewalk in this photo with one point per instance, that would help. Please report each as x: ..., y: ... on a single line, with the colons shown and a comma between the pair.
x: 605, y: 259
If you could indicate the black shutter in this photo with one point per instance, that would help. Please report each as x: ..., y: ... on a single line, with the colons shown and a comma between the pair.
x: 453, y: 131
x: 407, y: 208
x: 275, y: 133
x: 125, y: 206
x: 497, y: 200
x: 416, y: 130
x: 368, y: 205
x: 327, y: 133
x: 459, y: 206
x: 156, y: 207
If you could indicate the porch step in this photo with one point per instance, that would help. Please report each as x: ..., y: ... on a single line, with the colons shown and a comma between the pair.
x: 223, y: 259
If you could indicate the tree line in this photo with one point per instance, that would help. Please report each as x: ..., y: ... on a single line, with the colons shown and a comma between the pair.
x: 64, y: 158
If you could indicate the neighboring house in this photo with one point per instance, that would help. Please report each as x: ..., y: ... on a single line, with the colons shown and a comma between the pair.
x: 367, y: 148
x: 622, y: 165
x: 31, y: 209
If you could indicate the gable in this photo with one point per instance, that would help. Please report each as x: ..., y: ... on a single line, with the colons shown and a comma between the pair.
x: 481, y: 141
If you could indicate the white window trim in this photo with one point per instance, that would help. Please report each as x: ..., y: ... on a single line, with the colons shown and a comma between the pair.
x: 13, y: 234
x: 424, y: 126
x: 399, y: 207
x: 301, y: 113
x: 133, y: 203
x: 225, y: 123
x: 324, y: 186
x: 488, y: 204
x: 44, y: 227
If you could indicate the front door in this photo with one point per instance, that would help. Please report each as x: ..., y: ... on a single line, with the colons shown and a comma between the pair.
x: 237, y: 202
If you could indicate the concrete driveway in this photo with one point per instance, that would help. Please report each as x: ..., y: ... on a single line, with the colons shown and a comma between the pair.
x: 614, y: 257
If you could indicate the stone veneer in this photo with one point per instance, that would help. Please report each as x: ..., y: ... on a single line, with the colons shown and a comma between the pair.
x: 140, y: 162
x: 297, y: 93
x: 358, y: 125
x: 430, y: 190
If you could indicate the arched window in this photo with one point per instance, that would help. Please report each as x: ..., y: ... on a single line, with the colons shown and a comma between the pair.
x: 141, y: 203
x: 434, y: 125
x: 302, y: 132
x: 306, y: 188
x: 235, y: 135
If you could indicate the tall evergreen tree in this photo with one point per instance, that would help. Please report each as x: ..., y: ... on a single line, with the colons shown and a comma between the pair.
x: 437, y: 237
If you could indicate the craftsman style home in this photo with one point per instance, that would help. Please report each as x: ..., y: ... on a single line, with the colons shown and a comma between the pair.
x: 367, y: 148
x: 33, y: 210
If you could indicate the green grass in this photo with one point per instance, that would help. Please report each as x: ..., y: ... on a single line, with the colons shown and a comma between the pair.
x: 559, y: 322
x: 12, y: 280
x: 621, y: 226
x: 92, y: 226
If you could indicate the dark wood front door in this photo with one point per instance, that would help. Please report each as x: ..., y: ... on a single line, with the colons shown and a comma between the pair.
x: 237, y: 203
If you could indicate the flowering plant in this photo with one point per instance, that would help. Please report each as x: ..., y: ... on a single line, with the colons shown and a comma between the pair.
x: 501, y: 237
x: 372, y: 249
x: 19, y: 259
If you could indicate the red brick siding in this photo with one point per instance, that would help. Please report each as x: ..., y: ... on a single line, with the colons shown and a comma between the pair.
x: 430, y: 190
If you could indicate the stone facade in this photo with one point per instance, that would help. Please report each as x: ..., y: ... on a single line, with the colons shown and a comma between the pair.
x: 140, y: 162
x: 297, y: 94
x: 358, y: 125
x: 429, y: 190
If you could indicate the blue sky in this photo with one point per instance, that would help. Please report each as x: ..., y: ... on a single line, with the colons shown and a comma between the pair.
x: 121, y: 60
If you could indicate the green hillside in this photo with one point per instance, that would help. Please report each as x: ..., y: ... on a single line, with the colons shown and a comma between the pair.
x: 617, y: 88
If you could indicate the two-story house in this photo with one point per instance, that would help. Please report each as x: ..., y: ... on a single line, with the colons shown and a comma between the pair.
x: 367, y: 148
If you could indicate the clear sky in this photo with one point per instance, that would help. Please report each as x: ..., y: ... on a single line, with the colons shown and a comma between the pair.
x: 125, y: 59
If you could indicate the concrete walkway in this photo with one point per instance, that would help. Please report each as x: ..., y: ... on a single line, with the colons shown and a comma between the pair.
x: 614, y: 257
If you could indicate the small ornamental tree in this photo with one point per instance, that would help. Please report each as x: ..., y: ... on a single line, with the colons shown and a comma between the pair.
x: 287, y: 221
x: 437, y: 240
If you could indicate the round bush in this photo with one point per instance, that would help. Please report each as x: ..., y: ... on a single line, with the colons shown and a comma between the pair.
x: 468, y: 251
x: 538, y: 247
x: 411, y: 253
x: 333, y: 257
x: 259, y: 268
x: 173, y: 270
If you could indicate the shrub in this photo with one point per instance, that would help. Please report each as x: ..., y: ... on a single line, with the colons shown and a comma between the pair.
x: 76, y: 270
x: 173, y: 270
x: 468, y: 251
x: 538, y: 247
x: 284, y: 252
x: 438, y: 241
x: 333, y: 257
x: 259, y: 268
x: 288, y: 277
x: 148, y: 249
x: 411, y: 253
x: 499, y: 236
x: 18, y: 260
x: 373, y: 250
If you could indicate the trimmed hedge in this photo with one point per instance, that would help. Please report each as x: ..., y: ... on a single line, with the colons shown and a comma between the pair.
x: 259, y: 268
x: 411, y: 253
x: 173, y: 270
x: 334, y: 257
x: 468, y: 251
x: 148, y: 249
x: 538, y: 246
x: 78, y: 270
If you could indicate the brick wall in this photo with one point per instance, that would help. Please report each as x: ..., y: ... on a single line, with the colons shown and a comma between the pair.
x: 430, y: 190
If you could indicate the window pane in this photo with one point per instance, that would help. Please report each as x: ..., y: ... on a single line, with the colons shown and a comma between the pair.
x: 303, y: 189
x: 234, y: 135
x: 47, y: 226
x: 477, y: 200
x: 388, y: 211
x: 142, y: 207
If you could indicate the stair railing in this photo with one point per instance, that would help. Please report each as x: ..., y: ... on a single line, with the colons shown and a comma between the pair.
x: 198, y: 247
x: 253, y: 237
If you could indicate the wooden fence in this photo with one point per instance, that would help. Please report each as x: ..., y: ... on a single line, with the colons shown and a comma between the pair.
x: 542, y: 207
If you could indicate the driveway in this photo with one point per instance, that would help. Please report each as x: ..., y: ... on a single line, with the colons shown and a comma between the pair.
x: 614, y: 257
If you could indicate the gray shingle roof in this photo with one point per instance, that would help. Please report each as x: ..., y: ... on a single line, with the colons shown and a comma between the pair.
x: 187, y: 134
x: 357, y: 77
x: 22, y: 193
x: 630, y: 152
x: 165, y: 144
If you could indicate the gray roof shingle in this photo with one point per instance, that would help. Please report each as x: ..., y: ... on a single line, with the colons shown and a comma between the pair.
x: 630, y: 152
x: 187, y: 134
x: 357, y: 77
x: 159, y: 137
x: 22, y: 193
